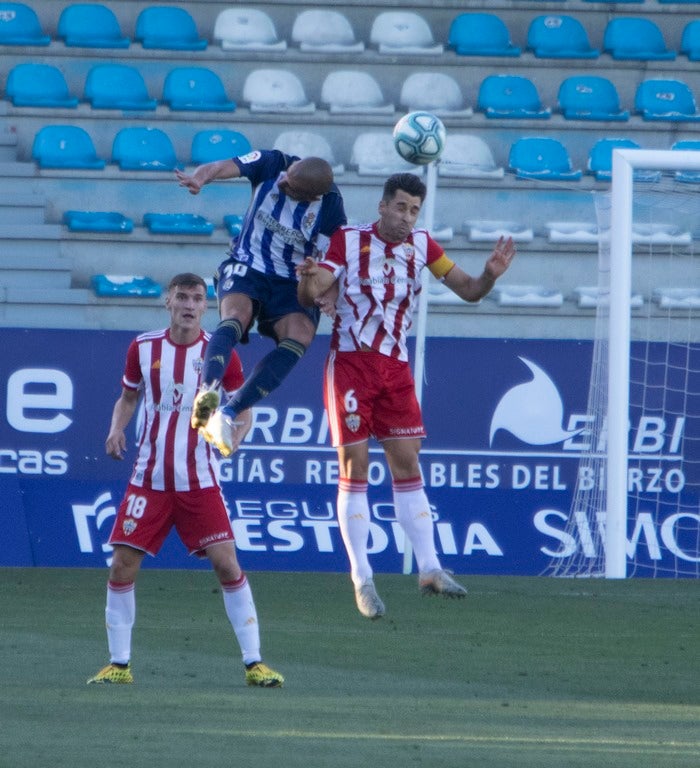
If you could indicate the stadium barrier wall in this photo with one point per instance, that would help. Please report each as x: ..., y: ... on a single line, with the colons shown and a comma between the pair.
x: 506, y: 422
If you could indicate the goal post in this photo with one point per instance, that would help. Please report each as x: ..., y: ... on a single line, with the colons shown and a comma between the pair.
x: 624, y: 164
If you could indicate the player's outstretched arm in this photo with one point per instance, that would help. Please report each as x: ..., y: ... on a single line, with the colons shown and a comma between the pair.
x: 474, y: 288
x: 203, y: 174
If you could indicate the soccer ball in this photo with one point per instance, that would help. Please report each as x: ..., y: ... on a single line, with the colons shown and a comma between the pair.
x: 419, y: 137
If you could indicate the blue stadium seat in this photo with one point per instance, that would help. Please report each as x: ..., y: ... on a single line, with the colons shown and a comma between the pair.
x: 688, y: 177
x: 233, y: 223
x: 117, y: 86
x: 626, y: 38
x: 90, y: 25
x: 98, y: 221
x: 559, y: 37
x: 590, y: 97
x: 325, y: 30
x: 510, y: 96
x: 19, y: 25
x: 403, y: 33
x: 196, y: 89
x: 541, y: 158
x: 247, y: 29
x: 168, y: 28
x: 600, y: 159
x: 65, y: 146
x: 143, y: 149
x: 480, y: 34
x: 690, y: 40
x: 125, y: 286
x: 38, y: 85
x: 215, y: 144
x: 669, y: 100
x: 177, y: 224
x: 276, y: 90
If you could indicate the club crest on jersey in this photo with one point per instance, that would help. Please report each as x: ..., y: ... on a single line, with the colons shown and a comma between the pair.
x: 251, y: 157
x: 197, y: 365
x: 352, y: 421
x: 388, y: 266
x: 308, y: 220
x: 129, y: 526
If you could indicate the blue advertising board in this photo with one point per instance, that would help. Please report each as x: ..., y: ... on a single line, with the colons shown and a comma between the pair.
x: 506, y: 426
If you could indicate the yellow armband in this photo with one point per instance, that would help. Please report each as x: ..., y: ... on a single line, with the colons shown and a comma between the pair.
x: 441, y: 267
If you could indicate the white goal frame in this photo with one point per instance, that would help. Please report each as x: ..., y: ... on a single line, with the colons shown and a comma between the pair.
x: 624, y: 163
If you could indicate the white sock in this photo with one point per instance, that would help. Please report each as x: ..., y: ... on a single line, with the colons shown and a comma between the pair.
x: 353, y: 519
x: 240, y: 609
x: 415, y: 517
x: 120, y: 614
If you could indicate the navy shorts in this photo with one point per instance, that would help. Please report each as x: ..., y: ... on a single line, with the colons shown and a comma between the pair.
x: 273, y: 296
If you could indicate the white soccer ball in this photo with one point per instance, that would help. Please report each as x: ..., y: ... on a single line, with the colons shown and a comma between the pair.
x: 419, y: 137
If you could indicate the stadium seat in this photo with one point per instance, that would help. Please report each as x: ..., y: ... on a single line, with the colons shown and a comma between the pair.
x: 572, y: 232
x: 468, y: 156
x: 354, y: 92
x: 484, y: 231
x: 677, y: 298
x: 125, y: 286
x: 233, y: 223
x: 325, y: 31
x: 218, y: 144
x: 177, y: 224
x: 143, y: 149
x: 690, y: 40
x: 65, y: 146
x: 669, y: 100
x: 196, y: 89
x: 510, y: 96
x: 541, y: 158
x: 19, y: 25
x: 373, y: 154
x: 276, y: 90
x: 688, y: 177
x: 307, y: 144
x: 90, y: 25
x: 38, y: 85
x: 590, y: 97
x: 247, y: 29
x: 600, y: 159
x: 591, y: 297
x: 555, y: 36
x: 98, y: 221
x: 434, y: 92
x: 527, y: 296
x: 117, y: 86
x: 168, y: 28
x: 628, y: 38
x: 480, y: 34
x: 403, y: 33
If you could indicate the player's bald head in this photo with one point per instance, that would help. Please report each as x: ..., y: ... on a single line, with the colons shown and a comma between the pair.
x: 308, y: 179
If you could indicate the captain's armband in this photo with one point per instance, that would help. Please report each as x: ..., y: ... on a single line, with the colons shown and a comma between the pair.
x: 441, y: 267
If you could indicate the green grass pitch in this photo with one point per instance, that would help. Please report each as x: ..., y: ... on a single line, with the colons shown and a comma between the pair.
x: 523, y: 673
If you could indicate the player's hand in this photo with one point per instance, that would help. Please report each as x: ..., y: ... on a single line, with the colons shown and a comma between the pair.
x: 499, y: 261
x: 188, y: 181
x: 326, y: 301
x: 115, y: 445
x: 307, y: 268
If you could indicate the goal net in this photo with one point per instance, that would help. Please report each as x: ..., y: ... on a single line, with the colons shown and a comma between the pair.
x: 636, y: 506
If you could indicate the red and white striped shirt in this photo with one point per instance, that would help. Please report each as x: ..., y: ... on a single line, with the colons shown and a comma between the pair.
x: 378, y: 283
x: 171, y: 455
